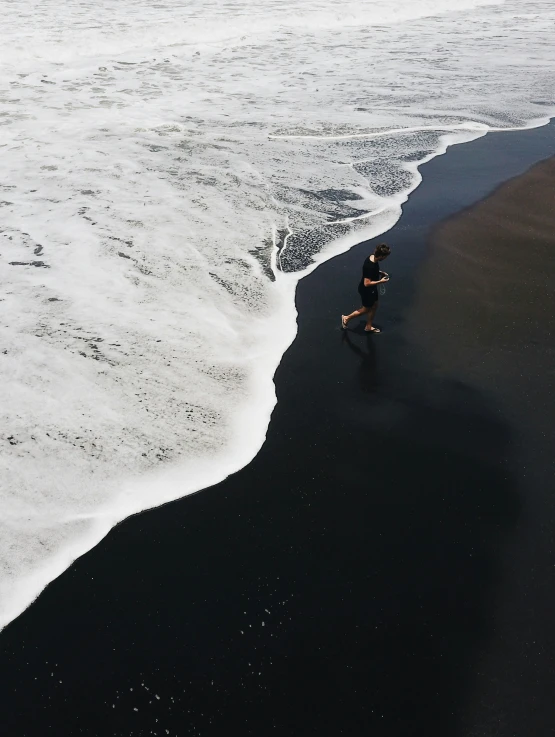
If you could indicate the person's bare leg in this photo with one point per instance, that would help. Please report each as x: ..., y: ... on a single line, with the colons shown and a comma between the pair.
x: 370, y: 319
x: 345, y: 318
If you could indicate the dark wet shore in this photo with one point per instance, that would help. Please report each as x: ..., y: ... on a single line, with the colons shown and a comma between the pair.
x: 386, y: 564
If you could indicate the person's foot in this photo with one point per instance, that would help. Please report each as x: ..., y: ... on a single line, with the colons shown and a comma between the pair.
x: 372, y: 330
x: 343, y: 322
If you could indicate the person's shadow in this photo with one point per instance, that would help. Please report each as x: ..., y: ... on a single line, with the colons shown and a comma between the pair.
x: 368, y: 359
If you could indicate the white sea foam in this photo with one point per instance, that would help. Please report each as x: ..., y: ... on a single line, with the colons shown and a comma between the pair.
x: 168, y: 172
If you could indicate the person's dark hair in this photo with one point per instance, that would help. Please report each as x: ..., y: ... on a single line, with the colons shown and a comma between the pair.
x: 382, y: 251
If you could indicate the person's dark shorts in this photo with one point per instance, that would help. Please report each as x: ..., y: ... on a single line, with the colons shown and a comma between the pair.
x: 368, y: 295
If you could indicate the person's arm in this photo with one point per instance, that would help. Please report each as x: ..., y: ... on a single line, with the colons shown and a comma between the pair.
x: 370, y: 283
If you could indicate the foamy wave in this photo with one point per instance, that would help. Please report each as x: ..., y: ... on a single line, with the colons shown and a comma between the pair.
x: 169, y: 173
x: 108, y: 29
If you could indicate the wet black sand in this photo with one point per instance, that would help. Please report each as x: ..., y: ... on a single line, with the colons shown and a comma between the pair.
x: 386, y: 565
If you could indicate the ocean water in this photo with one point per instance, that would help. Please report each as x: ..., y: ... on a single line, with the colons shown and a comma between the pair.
x: 168, y: 172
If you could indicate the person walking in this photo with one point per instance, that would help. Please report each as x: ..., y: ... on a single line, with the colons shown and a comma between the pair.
x: 368, y: 288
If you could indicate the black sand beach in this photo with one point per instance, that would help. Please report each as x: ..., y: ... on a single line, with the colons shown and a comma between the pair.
x: 386, y: 564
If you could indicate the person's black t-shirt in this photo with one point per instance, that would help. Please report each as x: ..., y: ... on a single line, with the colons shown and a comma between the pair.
x: 370, y: 270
